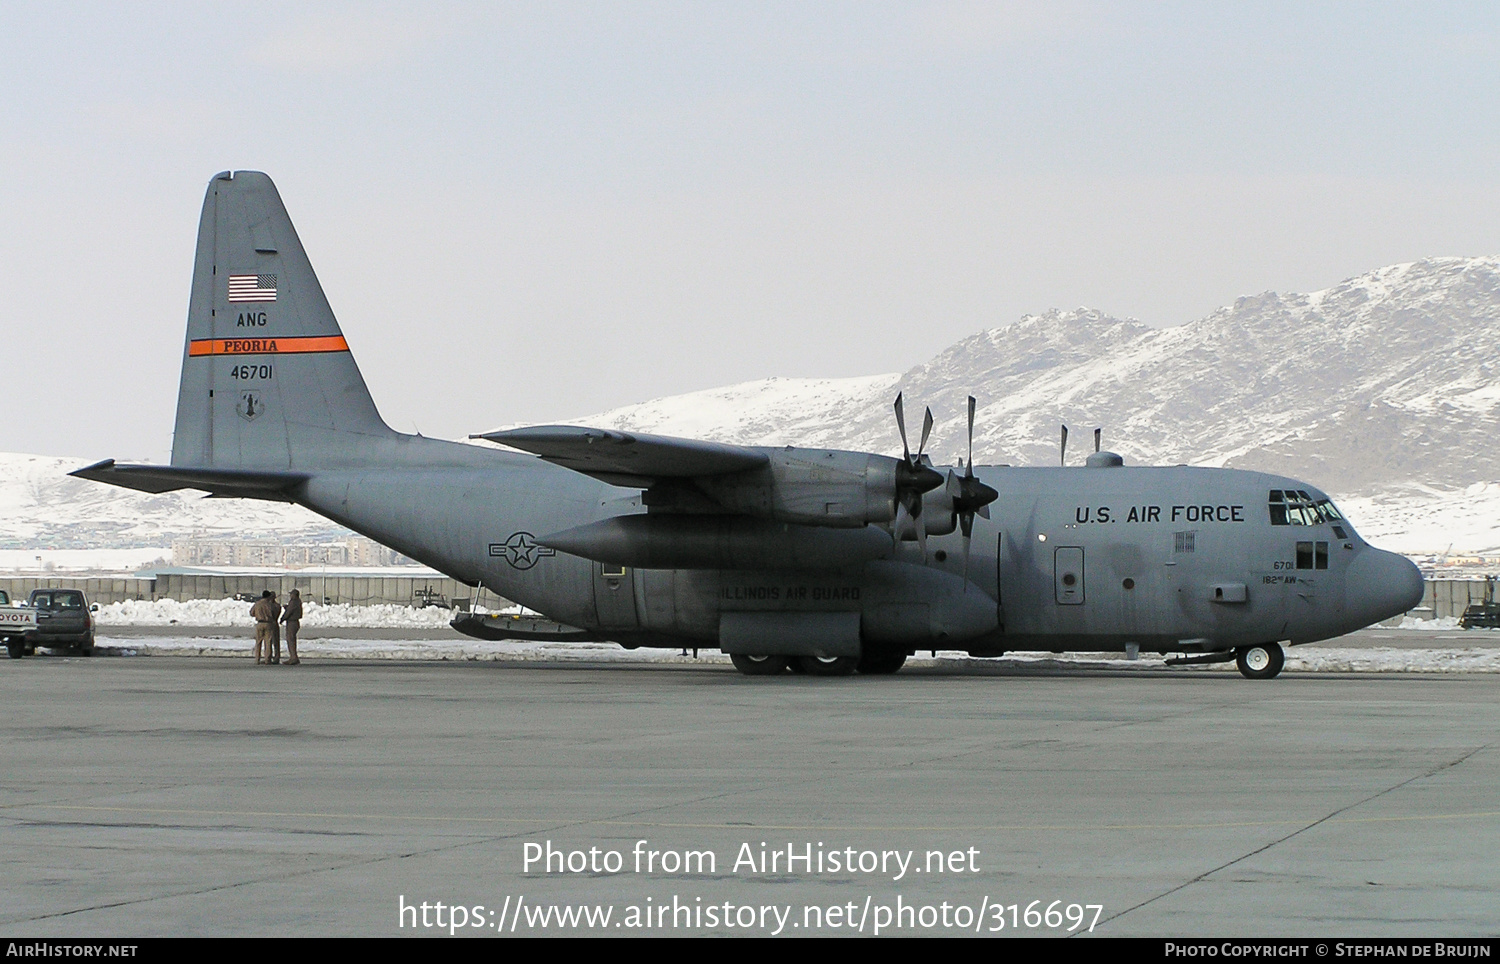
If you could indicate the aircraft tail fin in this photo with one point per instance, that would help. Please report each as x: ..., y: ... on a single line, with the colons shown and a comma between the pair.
x: 267, y: 379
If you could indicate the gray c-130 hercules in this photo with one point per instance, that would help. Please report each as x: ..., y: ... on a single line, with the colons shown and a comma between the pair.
x: 813, y: 560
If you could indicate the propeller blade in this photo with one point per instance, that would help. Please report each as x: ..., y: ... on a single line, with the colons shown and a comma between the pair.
x: 926, y: 432
x: 922, y: 537
x: 903, y: 519
x: 901, y: 426
x: 972, y: 404
x: 955, y: 487
x: 968, y: 539
x: 983, y: 510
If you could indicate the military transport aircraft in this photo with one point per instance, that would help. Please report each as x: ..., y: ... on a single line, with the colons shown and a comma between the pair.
x: 812, y: 560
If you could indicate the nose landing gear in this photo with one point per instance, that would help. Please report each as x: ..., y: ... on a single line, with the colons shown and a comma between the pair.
x: 1262, y: 661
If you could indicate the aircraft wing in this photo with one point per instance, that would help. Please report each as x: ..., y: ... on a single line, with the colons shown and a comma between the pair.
x: 627, y: 458
x: 224, y: 483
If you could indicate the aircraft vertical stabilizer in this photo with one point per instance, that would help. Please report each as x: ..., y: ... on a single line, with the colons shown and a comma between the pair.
x: 267, y: 379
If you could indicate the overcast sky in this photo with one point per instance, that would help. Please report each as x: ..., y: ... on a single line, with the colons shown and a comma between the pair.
x: 525, y: 212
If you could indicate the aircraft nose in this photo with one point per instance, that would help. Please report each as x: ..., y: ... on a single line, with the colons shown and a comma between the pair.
x: 1380, y: 585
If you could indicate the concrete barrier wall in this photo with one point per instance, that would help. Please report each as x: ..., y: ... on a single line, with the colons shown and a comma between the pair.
x: 355, y: 590
x: 102, y: 590
x: 1449, y: 597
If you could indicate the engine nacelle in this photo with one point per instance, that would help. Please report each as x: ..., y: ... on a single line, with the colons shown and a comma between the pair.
x: 719, y: 542
x: 817, y: 487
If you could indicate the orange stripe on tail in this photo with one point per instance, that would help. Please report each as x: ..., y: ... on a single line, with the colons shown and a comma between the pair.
x: 266, y: 346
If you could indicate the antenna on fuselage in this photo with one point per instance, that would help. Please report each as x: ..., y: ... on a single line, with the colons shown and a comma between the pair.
x: 1063, y: 458
x: 1097, y: 432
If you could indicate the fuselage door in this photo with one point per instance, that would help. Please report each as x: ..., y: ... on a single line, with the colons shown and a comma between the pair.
x: 1067, y: 573
x: 614, y: 596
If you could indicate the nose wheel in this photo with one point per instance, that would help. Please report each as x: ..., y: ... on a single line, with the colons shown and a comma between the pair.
x: 1262, y: 661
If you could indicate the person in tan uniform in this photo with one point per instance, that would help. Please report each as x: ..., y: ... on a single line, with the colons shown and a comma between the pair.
x: 292, y: 617
x: 261, y: 613
x: 274, y: 608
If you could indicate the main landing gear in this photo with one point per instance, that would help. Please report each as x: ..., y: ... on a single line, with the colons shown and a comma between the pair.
x: 882, y: 664
x: 758, y: 665
x: 1262, y: 661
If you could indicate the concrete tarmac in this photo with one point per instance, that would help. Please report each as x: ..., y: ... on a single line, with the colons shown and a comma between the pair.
x: 208, y: 796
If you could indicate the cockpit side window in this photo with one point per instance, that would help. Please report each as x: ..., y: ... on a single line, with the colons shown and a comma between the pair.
x: 1278, y: 508
x: 1294, y: 507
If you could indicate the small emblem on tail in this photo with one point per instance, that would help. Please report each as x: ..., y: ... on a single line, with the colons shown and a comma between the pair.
x: 250, y: 406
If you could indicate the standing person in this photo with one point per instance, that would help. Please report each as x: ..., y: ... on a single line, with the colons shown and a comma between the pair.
x: 274, y: 608
x: 261, y: 613
x: 292, y: 616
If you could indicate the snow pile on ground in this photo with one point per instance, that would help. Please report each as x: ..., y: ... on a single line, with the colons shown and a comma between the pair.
x: 233, y: 612
x: 1445, y: 623
x: 1459, y: 659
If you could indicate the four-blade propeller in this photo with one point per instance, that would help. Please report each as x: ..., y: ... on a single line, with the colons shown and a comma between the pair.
x: 970, y: 496
x: 915, y: 478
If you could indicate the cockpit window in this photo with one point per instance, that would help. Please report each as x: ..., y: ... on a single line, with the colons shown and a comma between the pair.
x: 1294, y: 507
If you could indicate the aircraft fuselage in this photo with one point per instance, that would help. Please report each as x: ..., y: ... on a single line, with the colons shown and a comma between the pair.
x: 1174, y: 559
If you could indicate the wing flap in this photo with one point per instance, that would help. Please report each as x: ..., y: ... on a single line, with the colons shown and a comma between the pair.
x: 611, y: 455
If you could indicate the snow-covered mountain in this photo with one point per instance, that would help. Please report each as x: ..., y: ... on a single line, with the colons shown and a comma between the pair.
x: 1381, y: 389
x: 1385, y: 379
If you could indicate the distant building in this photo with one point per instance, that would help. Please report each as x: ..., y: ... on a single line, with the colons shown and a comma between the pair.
x: 252, y: 552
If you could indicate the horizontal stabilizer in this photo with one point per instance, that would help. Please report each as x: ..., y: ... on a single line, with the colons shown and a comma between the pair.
x: 627, y: 457
x: 225, y: 483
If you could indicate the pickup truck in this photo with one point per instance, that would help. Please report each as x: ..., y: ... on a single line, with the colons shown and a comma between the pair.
x: 15, y: 623
x: 63, y: 620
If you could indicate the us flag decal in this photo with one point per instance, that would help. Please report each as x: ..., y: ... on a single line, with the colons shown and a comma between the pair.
x: 252, y: 287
